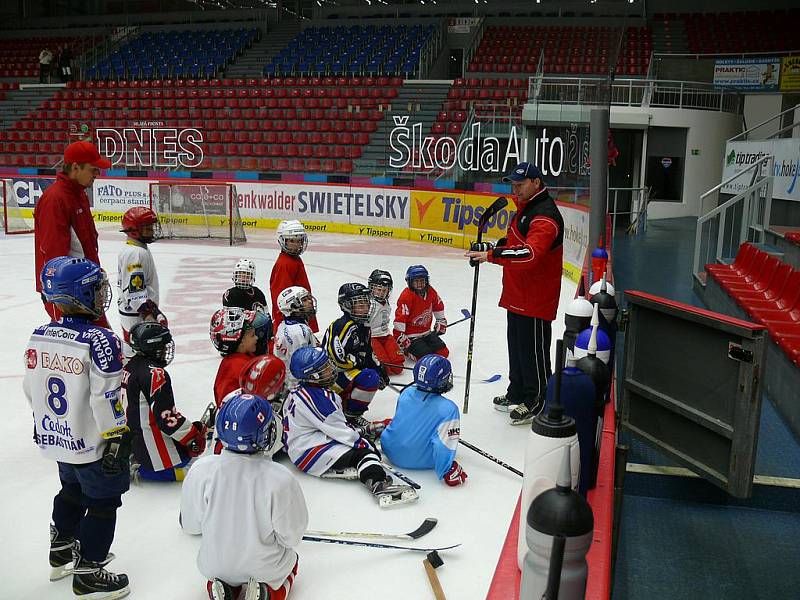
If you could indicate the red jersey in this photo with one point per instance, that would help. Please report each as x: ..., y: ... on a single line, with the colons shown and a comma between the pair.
x: 415, y: 314
x: 63, y: 225
x: 287, y: 271
x: 531, y: 257
x: 228, y: 374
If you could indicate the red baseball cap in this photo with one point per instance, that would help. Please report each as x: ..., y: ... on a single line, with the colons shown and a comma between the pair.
x: 85, y: 152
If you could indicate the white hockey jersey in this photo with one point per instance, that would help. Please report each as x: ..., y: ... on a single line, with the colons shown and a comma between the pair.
x: 315, y: 431
x: 251, y: 513
x: 290, y: 337
x: 73, y: 371
x: 381, y: 319
x: 137, y: 280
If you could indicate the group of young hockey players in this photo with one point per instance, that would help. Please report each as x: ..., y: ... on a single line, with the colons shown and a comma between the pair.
x: 282, y: 386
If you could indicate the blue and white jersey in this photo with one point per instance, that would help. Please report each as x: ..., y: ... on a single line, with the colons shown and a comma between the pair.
x: 289, y: 338
x: 423, y: 433
x: 315, y: 431
x: 72, y: 382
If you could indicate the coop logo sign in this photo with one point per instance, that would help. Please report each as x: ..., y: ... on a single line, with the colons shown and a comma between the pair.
x: 151, y: 146
x: 472, y: 153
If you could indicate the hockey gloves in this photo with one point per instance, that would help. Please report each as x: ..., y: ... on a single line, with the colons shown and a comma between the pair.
x: 383, y: 377
x: 455, y: 476
x: 116, y: 455
x: 150, y: 309
x: 196, y: 444
x: 481, y: 246
x: 441, y: 326
x: 403, y: 341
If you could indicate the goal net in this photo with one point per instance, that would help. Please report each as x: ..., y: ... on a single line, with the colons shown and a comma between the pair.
x: 197, y: 211
x: 15, y: 218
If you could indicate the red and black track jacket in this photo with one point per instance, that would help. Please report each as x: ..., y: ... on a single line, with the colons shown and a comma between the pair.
x: 531, y: 257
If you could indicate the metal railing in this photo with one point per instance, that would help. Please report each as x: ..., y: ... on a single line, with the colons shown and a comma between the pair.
x: 634, y: 92
x: 747, y: 134
x: 476, y: 40
x: 430, y: 52
x: 744, y: 217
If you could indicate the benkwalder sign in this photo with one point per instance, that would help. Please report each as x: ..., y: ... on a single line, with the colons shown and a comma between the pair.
x: 473, y: 152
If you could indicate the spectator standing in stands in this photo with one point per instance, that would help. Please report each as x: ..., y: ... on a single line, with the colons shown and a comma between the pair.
x: 63, y: 224
x: 531, y: 257
x: 65, y: 63
x: 45, y: 59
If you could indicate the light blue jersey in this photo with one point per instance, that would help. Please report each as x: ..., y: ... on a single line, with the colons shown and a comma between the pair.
x: 424, y: 432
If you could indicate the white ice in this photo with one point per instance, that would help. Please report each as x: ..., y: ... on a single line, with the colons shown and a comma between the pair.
x: 150, y: 546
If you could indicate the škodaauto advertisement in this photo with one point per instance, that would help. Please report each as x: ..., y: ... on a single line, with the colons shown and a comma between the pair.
x: 445, y: 218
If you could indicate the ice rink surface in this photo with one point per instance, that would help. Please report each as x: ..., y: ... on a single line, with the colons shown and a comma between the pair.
x: 149, y: 544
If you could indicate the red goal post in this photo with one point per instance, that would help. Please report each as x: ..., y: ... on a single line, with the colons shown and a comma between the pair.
x: 198, y: 210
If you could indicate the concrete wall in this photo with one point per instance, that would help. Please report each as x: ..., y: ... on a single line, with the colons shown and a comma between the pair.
x: 759, y: 108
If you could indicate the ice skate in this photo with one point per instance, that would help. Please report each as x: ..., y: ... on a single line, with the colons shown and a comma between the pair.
x: 349, y: 473
x: 61, y: 562
x: 390, y: 494
x: 90, y: 581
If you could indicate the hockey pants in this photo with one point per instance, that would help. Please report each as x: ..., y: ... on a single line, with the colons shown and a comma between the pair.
x: 357, y: 387
x: 388, y: 353
x: 430, y: 343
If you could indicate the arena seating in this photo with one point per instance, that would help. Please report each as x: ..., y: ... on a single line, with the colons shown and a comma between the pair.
x: 367, y: 50
x: 568, y: 50
x: 279, y: 124
x: 739, y: 32
x: 768, y: 290
x: 19, y: 58
x: 482, y: 94
x: 174, y: 54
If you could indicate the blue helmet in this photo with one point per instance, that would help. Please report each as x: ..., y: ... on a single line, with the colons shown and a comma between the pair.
x: 312, y: 366
x: 417, y: 272
x: 245, y: 424
x: 76, y: 282
x: 433, y: 373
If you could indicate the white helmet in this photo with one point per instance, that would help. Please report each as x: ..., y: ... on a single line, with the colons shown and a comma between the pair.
x: 292, y: 301
x: 292, y: 230
x: 597, y: 285
x: 244, y: 273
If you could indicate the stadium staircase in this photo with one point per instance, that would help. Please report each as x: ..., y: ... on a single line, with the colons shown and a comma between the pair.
x: 419, y: 100
x: 19, y: 103
x: 251, y: 63
x: 669, y: 35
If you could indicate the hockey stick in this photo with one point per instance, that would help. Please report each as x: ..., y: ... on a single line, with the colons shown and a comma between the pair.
x: 490, y: 379
x: 401, y: 476
x: 467, y: 315
x: 489, y: 212
x: 491, y: 458
x: 311, y: 538
x: 424, y: 529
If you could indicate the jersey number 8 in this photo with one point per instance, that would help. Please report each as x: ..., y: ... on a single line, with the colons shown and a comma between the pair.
x: 57, y: 395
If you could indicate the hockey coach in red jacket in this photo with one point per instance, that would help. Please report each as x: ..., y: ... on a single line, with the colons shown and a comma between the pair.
x: 531, y: 256
x: 63, y: 224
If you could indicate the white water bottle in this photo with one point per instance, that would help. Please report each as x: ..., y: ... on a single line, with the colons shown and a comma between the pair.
x: 543, y: 455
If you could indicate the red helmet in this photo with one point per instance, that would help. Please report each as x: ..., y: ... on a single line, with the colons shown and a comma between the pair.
x: 136, y: 218
x: 263, y: 376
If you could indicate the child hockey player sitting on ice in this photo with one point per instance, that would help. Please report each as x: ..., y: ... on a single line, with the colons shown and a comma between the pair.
x: 426, y: 426
x: 319, y: 439
x: 383, y: 343
x: 137, y: 279
x: 250, y: 511
x: 347, y: 342
x: 289, y: 269
x: 238, y: 335
x: 417, y: 307
x: 244, y: 294
x: 164, y: 441
x: 297, y: 305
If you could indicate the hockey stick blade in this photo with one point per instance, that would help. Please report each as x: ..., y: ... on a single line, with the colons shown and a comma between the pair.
x: 490, y: 379
x: 402, y: 476
x: 312, y: 538
x: 424, y: 529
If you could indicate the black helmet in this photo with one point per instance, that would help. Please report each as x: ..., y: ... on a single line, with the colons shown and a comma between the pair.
x: 356, y: 301
x: 379, y: 278
x: 154, y: 341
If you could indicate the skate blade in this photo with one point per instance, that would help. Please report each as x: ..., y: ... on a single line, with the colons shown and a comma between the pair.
x: 57, y: 573
x: 506, y: 408
x: 349, y: 474
x: 406, y: 497
x: 104, y: 595
x: 525, y: 421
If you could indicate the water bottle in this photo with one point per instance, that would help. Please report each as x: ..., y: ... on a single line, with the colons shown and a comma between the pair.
x: 558, y: 534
